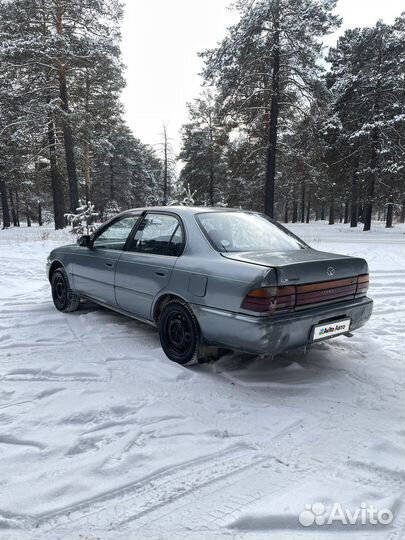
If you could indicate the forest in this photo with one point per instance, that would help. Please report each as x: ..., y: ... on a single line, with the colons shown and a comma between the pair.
x: 283, y: 125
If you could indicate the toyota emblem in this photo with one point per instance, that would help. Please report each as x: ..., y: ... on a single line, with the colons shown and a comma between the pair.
x: 330, y: 271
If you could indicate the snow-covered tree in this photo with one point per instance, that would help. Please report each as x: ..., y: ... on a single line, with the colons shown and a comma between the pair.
x: 125, y: 170
x: 60, y: 83
x: 203, y: 150
x: 266, y: 71
x: 111, y: 210
x: 83, y: 220
x: 366, y: 83
x: 168, y: 165
x: 182, y: 196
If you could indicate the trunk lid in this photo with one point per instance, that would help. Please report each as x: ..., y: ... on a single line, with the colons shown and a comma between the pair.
x: 299, y: 267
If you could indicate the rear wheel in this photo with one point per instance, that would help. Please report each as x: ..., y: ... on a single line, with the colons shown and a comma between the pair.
x: 179, y: 333
x: 63, y: 297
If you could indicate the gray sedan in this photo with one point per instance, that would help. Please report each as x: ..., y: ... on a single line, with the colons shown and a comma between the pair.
x: 213, y: 278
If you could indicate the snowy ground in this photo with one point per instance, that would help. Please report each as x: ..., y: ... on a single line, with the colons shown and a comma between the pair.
x: 102, y: 437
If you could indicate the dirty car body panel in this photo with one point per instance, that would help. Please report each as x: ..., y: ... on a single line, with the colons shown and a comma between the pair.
x: 262, y: 300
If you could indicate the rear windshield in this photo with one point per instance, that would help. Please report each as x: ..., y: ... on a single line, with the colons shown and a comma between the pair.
x: 242, y: 231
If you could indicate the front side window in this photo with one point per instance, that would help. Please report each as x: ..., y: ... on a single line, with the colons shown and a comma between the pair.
x: 116, y: 234
x: 158, y: 234
x: 241, y: 231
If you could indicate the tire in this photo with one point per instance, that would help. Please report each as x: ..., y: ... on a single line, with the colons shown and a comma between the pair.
x: 63, y: 297
x: 179, y: 333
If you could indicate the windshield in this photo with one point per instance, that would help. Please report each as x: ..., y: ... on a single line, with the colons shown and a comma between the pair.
x: 242, y: 231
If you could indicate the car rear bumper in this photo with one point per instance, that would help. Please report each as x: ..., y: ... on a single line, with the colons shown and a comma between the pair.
x: 274, y: 335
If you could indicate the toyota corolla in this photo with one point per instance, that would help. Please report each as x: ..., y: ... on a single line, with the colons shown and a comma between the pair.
x: 213, y: 277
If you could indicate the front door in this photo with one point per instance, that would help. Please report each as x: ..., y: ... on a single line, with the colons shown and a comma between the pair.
x: 94, y: 268
x: 144, y: 269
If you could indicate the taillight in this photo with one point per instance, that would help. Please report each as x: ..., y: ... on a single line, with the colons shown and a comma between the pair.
x: 270, y: 299
x: 362, y: 285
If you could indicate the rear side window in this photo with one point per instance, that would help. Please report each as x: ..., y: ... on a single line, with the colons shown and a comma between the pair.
x: 158, y: 234
x: 242, y: 231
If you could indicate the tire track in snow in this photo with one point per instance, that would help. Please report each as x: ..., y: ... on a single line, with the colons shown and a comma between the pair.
x: 215, y: 499
x: 387, y: 288
x: 153, y: 492
x: 9, y: 439
x: 33, y: 375
x: 216, y: 511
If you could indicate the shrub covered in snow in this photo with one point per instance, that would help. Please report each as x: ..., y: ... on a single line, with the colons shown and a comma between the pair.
x: 84, y: 221
x: 183, y: 197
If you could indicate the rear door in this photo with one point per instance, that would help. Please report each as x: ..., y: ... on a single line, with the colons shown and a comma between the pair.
x: 94, y: 267
x: 145, y: 267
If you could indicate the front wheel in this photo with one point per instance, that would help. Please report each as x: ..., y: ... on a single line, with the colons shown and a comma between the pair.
x: 179, y: 333
x: 63, y: 297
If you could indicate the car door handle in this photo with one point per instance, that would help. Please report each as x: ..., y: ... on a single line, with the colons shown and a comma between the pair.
x: 160, y: 273
x: 109, y: 265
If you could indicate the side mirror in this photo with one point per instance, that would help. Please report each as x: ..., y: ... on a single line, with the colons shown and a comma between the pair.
x: 84, y: 241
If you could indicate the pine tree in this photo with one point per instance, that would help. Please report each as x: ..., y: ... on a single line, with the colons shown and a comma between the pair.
x: 168, y: 169
x: 266, y: 70
x: 127, y: 171
x: 203, y: 149
x: 60, y: 83
x: 368, y: 101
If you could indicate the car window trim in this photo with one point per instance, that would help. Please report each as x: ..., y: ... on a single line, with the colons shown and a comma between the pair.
x: 134, y: 231
x: 173, y: 233
x: 159, y: 212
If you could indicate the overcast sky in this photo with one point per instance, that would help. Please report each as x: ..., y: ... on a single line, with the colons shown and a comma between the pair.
x: 161, y: 39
